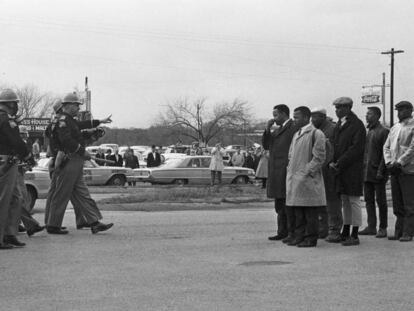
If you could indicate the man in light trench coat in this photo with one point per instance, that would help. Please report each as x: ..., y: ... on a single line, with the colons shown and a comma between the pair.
x: 305, y: 189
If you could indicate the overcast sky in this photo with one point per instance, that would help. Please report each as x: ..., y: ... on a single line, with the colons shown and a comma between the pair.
x: 139, y: 55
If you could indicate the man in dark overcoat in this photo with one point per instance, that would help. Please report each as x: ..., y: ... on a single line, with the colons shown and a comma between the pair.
x: 278, y: 143
x: 347, y: 164
x: 153, y: 158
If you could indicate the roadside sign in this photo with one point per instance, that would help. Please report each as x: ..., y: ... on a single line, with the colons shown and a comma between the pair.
x: 37, y: 125
x: 371, y: 95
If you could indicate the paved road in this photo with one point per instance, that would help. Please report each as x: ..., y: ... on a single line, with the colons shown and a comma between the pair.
x: 201, y: 260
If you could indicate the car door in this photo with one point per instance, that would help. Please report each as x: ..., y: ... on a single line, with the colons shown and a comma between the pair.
x: 205, y: 170
x: 94, y: 174
x: 194, y: 171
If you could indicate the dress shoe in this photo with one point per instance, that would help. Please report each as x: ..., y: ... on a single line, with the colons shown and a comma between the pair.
x: 34, y: 230
x: 22, y: 228
x: 307, y: 243
x: 322, y: 235
x: 368, y: 231
x: 382, y: 233
x: 288, y: 239
x: 5, y: 246
x: 334, y: 238
x: 79, y: 227
x: 56, y: 230
x: 395, y: 237
x: 12, y: 240
x: 277, y: 237
x: 350, y: 241
x: 406, y: 238
x: 100, y: 227
x: 294, y: 242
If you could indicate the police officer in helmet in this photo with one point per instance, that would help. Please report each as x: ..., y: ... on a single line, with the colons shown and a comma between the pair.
x: 70, y: 184
x: 12, y: 148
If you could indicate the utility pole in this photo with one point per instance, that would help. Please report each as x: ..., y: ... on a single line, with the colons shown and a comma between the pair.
x: 392, y: 52
x: 383, y: 98
x: 87, y: 96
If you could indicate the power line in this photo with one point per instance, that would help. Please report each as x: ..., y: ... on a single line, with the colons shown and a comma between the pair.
x: 188, y: 36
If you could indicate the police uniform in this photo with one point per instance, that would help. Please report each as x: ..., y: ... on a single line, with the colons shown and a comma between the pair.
x: 70, y: 184
x: 11, y: 144
x: 53, y: 148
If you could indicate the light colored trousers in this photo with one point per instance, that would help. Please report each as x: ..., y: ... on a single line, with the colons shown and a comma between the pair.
x: 70, y: 185
x: 351, y: 210
x: 28, y: 221
x: 80, y: 219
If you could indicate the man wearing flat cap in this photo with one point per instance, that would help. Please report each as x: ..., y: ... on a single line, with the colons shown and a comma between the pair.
x: 399, y: 159
x: 330, y: 217
x: 347, y: 165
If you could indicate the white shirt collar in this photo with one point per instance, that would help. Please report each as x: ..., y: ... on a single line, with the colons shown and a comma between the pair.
x: 284, y: 123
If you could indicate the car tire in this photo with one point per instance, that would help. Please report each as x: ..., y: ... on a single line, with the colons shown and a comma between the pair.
x: 240, y: 180
x: 117, y: 180
x: 32, y: 196
x: 180, y: 182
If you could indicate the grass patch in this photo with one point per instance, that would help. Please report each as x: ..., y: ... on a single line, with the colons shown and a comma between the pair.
x: 189, y: 194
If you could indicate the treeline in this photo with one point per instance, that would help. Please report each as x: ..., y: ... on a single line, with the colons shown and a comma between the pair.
x: 165, y: 136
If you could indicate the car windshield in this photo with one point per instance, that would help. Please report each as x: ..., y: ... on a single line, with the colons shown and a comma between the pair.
x: 171, y: 163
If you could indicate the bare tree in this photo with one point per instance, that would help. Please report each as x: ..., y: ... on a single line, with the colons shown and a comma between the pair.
x: 34, y: 103
x: 195, y: 120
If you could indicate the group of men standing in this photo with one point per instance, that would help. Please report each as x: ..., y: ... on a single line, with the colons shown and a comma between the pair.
x: 67, y: 154
x: 319, y: 170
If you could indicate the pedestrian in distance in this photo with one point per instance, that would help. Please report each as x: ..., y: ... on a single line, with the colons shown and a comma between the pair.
x: 108, y: 156
x: 132, y: 162
x: 153, y: 158
x: 347, y: 165
x: 375, y: 175
x: 237, y: 159
x: 250, y: 159
x: 262, y: 167
x: 399, y: 159
x: 330, y: 217
x: 278, y: 141
x: 36, y: 149
x: 100, y: 155
x: 116, y: 157
x: 305, y: 190
x: 216, y: 164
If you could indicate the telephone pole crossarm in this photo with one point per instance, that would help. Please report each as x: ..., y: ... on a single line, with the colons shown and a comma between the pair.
x: 392, y: 52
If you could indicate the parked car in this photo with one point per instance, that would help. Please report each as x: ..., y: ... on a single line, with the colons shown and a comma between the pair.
x: 38, y: 182
x: 190, y: 170
x: 93, y: 150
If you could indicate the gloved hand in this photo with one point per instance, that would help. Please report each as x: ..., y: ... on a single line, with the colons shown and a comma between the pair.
x: 30, y: 161
x: 394, y: 168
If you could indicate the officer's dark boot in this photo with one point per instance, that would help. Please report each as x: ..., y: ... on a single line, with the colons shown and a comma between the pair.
x: 56, y: 230
x: 12, y: 240
x: 98, y: 227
